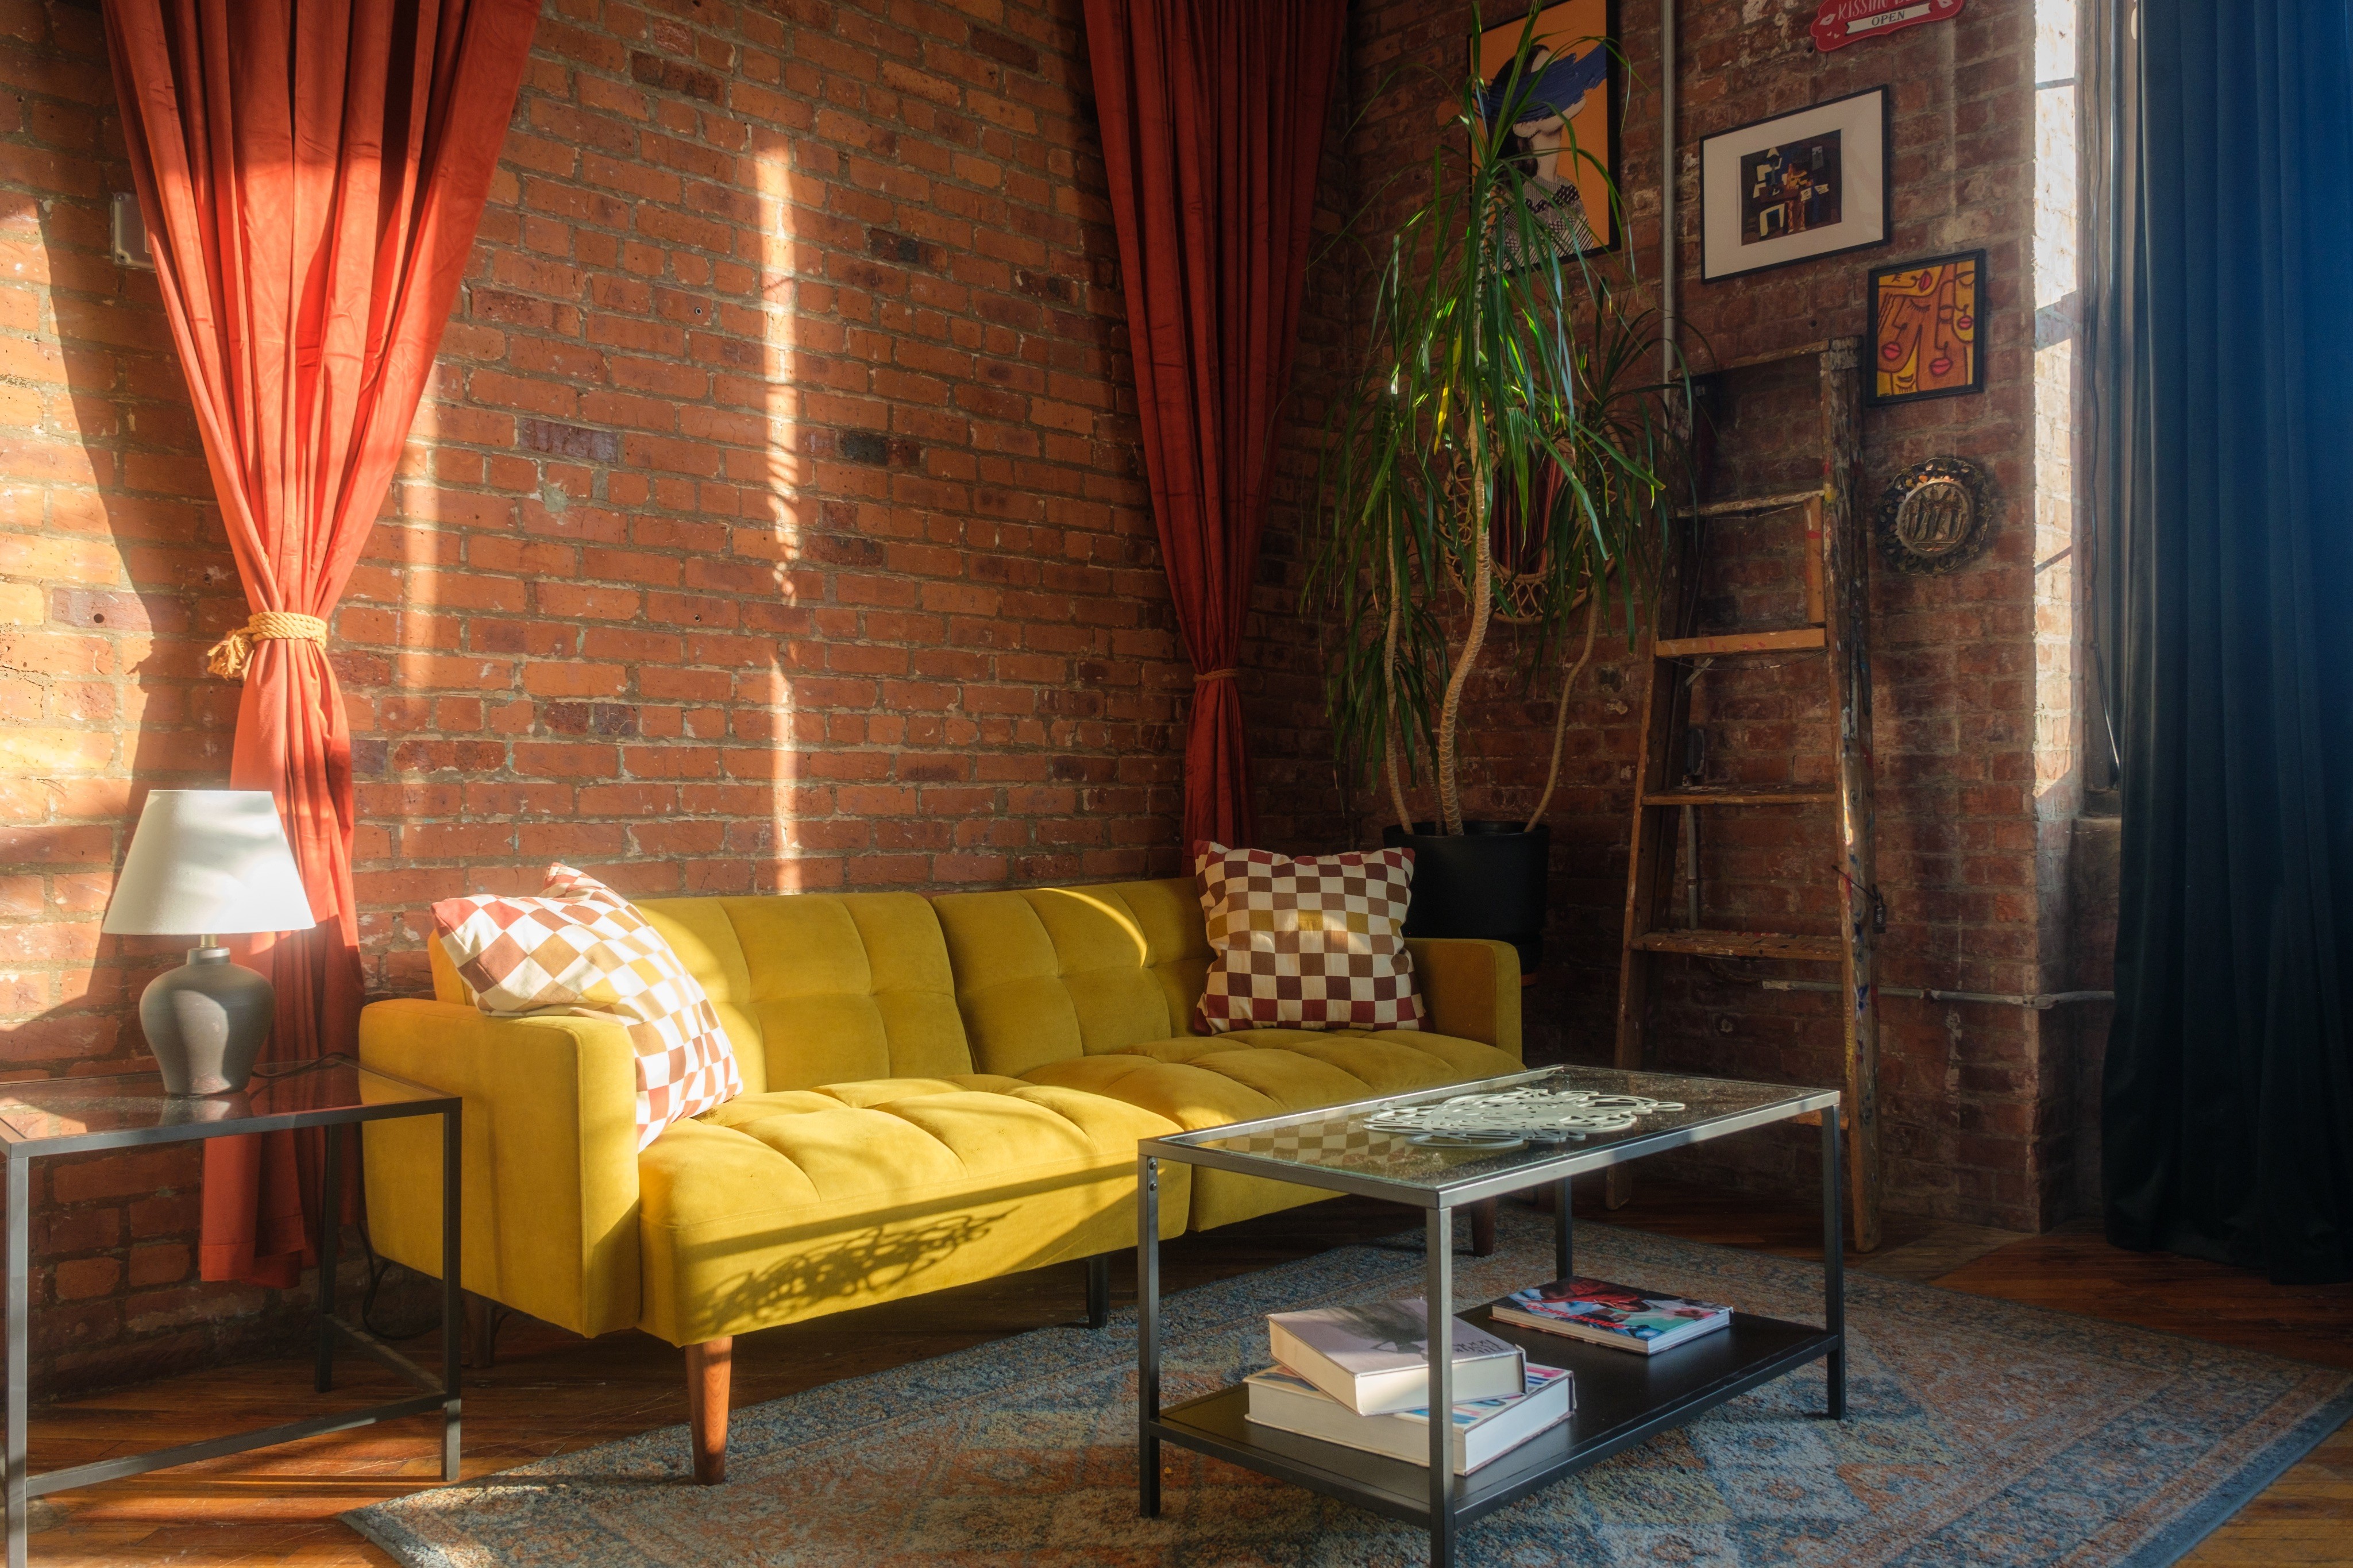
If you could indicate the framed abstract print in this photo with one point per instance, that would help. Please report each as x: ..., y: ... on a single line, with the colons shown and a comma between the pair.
x: 1796, y: 187
x: 1924, y: 341
x: 1566, y: 134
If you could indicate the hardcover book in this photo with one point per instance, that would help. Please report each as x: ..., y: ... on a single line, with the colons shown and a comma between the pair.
x: 1375, y: 1359
x: 1603, y: 1313
x: 1484, y: 1429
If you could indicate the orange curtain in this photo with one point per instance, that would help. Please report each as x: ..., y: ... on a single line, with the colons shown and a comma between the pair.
x: 312, y: 173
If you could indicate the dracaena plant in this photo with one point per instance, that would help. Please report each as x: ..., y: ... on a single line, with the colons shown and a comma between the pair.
x: 1508, y: 447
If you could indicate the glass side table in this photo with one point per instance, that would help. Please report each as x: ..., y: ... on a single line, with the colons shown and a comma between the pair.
x: 1621, y: 1397
x: 41, y: 1117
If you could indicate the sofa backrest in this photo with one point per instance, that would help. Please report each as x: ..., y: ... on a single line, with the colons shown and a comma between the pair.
x: 812, y: 988
x: 1047, y: 973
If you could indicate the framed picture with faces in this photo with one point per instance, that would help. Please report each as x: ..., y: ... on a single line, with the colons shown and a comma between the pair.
x: 1566, y: 100
x: 1925, y: 340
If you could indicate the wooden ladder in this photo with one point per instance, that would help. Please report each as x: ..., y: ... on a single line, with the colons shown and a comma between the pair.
x: 1837, y: 623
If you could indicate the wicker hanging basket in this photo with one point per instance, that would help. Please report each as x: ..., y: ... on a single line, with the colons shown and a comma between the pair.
x: 1523, y: 569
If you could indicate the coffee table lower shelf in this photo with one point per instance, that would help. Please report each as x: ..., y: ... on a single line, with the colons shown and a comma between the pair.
x: 1621, y: 1399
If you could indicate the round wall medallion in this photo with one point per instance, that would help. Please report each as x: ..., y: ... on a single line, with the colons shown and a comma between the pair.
x: 1937, y: 517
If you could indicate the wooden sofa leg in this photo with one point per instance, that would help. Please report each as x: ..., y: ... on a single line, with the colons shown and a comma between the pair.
x: 707, y: 1366
x: 1483, y: 1229
x: 1099, y: 1290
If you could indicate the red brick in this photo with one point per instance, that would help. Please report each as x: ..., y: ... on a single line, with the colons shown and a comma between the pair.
x: 637, y: 603
x: 79, y: 1278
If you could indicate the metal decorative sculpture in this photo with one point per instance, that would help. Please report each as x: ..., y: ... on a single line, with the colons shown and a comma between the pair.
x: 1937, y: 517
x: 1518, y: 1117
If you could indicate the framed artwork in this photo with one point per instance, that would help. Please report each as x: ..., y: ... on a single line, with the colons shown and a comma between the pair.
x: 1566, y: 137
x: 1924, y: 329
x: 1796, y: 187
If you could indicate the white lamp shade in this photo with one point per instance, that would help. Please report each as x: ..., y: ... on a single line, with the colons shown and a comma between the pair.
x: 209, y: 862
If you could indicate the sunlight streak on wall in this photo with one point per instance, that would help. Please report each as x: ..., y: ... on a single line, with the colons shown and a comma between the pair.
x: 775, y: 533
x: 2057, y: 298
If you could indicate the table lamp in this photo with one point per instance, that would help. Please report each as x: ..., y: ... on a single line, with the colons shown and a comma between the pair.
x: 208, y: 863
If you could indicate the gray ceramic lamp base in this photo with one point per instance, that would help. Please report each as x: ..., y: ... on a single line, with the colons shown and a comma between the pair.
x: 205, y: 1022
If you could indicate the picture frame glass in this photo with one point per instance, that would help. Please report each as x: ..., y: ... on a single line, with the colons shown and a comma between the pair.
x: 1795, y: 186
x: 1567, y: 133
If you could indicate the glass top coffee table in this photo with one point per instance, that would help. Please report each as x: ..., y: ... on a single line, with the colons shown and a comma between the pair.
x: 1437, y: 1150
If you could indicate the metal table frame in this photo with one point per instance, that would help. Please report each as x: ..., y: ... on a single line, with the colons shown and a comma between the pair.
x: 438, y: 1394
x: 1451, y: 1502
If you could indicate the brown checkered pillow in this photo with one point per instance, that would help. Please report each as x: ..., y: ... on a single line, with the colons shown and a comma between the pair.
x: 1311, y: 944
x: 579, y: 949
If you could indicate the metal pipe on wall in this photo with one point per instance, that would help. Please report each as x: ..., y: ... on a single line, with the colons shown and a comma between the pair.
x: 2041, y: 1001
x: 1667, y: 256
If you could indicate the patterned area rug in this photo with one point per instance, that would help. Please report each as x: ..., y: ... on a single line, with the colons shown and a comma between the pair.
x: 1980, y: 1433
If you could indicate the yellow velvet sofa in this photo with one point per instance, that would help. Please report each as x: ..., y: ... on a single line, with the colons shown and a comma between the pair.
x: 935, y: 1091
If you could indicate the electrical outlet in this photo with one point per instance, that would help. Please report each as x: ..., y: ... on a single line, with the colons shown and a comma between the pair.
x: 127, y: 232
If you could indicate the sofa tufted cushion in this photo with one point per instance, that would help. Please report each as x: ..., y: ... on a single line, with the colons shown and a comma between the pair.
x: 1207, y: 1080
x: 814, y: 988
x: 1386, y: 1062
x: 799, y: 1202
x: 849, y: 986
x: 1048, y: 973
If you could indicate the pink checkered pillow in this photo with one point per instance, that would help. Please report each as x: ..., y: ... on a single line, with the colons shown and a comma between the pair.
x: 1307, y: 943
x: 580, y: 950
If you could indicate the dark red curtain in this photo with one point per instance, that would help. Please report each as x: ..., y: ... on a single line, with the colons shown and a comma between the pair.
x: 1212, y: 115
x: 311, y: 173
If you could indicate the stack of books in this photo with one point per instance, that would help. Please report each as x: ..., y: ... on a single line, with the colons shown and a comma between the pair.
x: 1602, y: 1313
x: 1360, y: 1376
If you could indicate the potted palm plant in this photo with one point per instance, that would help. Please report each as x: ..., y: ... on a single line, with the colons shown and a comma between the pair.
x: 1503, y: 455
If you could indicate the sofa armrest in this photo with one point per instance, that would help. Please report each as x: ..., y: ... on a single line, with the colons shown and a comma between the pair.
x: 551, y: 1178
x: 1471, y: 987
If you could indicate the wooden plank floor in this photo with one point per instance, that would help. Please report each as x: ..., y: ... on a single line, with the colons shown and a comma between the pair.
x: 552, y: 1392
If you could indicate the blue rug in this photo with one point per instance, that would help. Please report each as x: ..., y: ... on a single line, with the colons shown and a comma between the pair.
x: 1980, y: 1432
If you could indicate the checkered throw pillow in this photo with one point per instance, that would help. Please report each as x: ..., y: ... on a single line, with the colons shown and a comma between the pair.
x: 580, y: 950
x: 1310, y: 944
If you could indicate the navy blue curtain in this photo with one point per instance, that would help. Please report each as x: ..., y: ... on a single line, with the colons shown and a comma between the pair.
x: 2227, y: 1120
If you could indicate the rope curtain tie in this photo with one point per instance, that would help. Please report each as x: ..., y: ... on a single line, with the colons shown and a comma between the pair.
x: 1203, y: 677
x: 229, y: 657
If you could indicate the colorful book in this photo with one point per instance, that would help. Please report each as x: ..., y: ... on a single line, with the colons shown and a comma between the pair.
x: 1601, y: 1314
x: 1484, y: 1429
x: 1375, y: 1359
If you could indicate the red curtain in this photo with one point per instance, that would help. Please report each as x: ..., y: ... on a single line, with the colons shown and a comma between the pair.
x: 1212, y: 115
x: 311, y: 173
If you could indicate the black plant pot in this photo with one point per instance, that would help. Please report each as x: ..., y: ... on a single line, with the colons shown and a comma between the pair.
x: 1490, y: 881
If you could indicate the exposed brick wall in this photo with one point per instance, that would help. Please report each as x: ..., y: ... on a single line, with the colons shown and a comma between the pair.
x: 1303, y: 808
x: 1970, y: 1094
x: 775, y: 519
